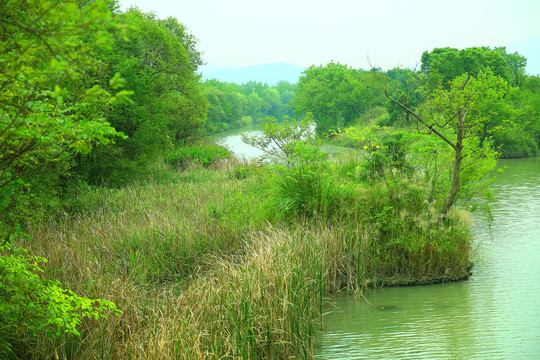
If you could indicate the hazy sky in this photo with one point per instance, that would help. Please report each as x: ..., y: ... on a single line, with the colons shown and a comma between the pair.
x: 306, y: 32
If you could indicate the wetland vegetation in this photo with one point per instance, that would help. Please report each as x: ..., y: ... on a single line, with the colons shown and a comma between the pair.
x: 126, y: 234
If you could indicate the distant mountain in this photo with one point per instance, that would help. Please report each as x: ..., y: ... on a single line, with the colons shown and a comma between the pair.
x: 531, y: 50
x: 270, y: 74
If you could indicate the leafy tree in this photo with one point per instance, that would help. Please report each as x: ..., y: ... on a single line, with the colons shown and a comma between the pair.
x: 531, y: 95
x: 455, y: 113
x: 449, y: 63
x: 253, y: 86
x: 50, y: 108
x: 227, y: 105
x: 255, y: 104
x: 215, y: 113
x: 271, y: 97
x: 335, y: 95
x: 403, y: 89
x: 516, y: 65
x: 326, y: 92
x: 286, y: 93
x: 159, y: 61
x: 237, y: 106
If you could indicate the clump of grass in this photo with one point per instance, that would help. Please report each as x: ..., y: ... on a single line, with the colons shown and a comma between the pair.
x: 203, y: 153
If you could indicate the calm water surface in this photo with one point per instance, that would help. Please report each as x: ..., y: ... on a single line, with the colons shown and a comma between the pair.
x: 494, y: 315
x: 233, y: 141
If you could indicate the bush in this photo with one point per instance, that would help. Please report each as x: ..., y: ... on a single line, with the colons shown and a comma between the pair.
x: 306, y: 188
x: 203, y: 153
x: 32, y: 306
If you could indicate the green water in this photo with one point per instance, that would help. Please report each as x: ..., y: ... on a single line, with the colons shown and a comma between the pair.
x: 494, y: 315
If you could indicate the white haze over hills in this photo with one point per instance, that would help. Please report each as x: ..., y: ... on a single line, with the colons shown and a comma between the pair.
x: 272, y: 73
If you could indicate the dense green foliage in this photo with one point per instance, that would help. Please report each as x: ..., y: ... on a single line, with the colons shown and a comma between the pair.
x: 512, y: 124
x: 51, y: 109
x: 336, y: 95
x: 233, y: 106
x: 449, y: 63
x: 159, y: 62
x: 51, y: 104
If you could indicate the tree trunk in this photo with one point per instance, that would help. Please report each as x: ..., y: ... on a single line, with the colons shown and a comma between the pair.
x: 458, y: 156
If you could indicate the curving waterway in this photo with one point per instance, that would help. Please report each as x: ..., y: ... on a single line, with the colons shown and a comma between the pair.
x: 493, y: 315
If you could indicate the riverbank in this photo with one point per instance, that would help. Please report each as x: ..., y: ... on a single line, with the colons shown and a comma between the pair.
x: 204, y: 264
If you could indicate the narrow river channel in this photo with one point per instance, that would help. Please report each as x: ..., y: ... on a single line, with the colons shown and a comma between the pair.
x: 493, y: 315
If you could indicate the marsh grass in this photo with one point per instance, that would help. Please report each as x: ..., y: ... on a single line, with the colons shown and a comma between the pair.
x: 202, y: 267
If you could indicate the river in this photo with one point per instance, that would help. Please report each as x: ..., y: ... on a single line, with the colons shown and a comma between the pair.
x: 493, y: 315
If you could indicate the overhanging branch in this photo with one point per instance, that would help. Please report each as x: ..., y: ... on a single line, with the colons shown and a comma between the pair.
x: 430, y: 127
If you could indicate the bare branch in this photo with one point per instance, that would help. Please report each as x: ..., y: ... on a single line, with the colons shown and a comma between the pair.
x: 422, y: 121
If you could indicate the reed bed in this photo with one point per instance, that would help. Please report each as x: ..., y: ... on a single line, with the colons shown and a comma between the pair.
x: 203, y: 268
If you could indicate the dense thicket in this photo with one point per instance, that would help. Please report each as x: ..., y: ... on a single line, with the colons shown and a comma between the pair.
x: 52, y: 103
x: 54, y: 97
x: 159, y: 62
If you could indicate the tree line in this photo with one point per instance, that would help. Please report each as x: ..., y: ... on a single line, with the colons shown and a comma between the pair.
x: 338, y: 96
x: 233, y: 105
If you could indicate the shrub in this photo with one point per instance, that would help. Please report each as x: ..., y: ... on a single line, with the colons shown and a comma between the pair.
x: 203, y: 153
x: 306, y: 187
x: 31, y: 306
